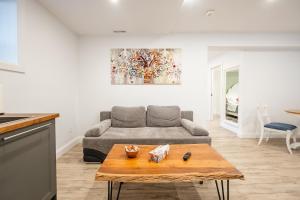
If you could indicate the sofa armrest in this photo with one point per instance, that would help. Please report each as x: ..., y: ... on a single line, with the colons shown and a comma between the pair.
x: 193, y: 128
x: 187, y: 115
x: 98, y: 129
x: 105, y: 115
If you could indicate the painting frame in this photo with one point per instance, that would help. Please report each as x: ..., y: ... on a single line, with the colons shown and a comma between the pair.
x: 146, y: 66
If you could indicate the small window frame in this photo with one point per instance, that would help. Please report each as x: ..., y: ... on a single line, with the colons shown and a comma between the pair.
x: 6, y: 66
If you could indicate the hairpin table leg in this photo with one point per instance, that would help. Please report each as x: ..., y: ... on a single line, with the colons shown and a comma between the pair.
x: 223, y: 190
x: 120, y: 186
x: 227, y: 189
x: 109, y: 190
x: 217, y: 186
x: 223, y: 196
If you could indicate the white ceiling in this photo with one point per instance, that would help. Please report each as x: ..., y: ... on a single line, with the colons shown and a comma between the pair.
x: 101, y: 17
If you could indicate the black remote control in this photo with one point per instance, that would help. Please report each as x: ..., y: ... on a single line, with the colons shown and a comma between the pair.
x: 186, y: 156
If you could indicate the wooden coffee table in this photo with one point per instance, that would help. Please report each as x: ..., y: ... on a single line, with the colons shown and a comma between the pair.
x: 295, y: 144
x: 204, y: 164
x: 295, y: 111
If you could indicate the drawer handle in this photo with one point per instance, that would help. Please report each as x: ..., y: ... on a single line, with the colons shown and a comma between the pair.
x: 22, y: 133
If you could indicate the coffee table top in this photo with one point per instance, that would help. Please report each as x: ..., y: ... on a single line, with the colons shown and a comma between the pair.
x: 204, y: 164
x: 295, y: 111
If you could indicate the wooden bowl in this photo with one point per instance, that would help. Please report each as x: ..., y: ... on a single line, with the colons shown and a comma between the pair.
x: 131, y: 151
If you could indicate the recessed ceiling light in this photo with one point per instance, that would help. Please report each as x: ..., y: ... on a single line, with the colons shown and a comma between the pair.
x: 120, y: 31
x: 188, y: 1
x: 114, y: 1
x: 210, y: 13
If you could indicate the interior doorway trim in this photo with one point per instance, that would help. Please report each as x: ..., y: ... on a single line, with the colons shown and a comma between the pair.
x: 211, y: 112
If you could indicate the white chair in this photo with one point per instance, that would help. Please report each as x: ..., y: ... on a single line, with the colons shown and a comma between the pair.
x: 267, y: 126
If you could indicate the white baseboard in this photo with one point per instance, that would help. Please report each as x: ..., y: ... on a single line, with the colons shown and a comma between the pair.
x: 62, y: 150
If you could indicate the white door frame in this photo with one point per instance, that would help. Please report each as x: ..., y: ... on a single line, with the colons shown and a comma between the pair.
x: 211, y: 113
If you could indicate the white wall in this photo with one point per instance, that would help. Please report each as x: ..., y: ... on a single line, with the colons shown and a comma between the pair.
x: 266, y: 77
x: 49, y: 55
x: 53, y: 81
x: 270, y: 78
x: 96, y: 92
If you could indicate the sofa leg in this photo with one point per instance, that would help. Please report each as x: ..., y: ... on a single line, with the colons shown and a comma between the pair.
x: 201, y: 182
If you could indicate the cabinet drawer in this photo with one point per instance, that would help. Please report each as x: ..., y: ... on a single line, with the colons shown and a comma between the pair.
x: 26, y: 167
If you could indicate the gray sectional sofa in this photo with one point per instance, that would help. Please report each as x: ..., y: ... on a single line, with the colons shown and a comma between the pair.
x: 136, y: 125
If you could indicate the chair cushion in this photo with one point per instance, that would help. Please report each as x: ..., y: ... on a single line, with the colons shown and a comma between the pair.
x: 163, y: 116
x: 280, y: 126
x: 128, y: 117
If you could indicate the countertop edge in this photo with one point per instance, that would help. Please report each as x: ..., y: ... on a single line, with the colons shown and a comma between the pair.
x: 32, y: 120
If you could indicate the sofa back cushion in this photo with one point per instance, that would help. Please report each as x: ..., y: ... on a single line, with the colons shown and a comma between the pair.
x: 163, y: 116
x: 128, y: 117
x: 184, y: 115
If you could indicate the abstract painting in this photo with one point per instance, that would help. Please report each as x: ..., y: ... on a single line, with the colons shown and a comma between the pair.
x: 145, y: 66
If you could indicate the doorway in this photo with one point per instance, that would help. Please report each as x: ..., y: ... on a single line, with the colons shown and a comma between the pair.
x: 225, y: 97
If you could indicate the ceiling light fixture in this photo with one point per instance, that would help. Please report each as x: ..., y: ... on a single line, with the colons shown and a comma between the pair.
x: 188, y: 1
x: 120, y: 31
x: 210, y: 13
x: 114, y: 1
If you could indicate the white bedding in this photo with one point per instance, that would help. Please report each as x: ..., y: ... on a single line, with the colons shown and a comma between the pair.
x: 232, y: 97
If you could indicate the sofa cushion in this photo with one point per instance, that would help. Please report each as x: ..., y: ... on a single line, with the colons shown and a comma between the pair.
x: 163, y: 116
x: 128, y: 117
x: 193, y: 128
x: 146, y: 135
x: 98, y: 129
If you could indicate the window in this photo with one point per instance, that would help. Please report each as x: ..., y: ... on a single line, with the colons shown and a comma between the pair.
x: 8, y: 33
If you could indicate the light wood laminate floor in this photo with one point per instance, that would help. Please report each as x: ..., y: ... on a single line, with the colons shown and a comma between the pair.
x: 270, y: 172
